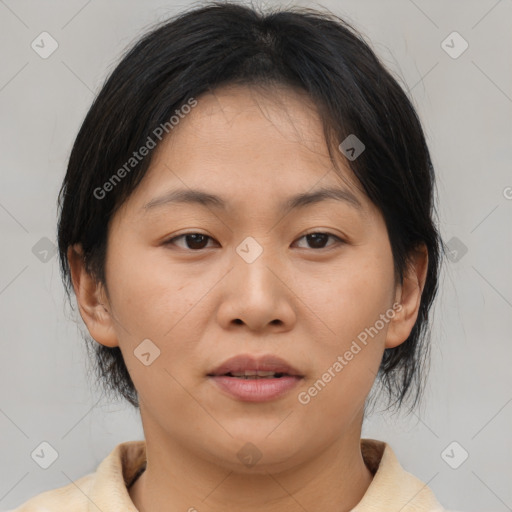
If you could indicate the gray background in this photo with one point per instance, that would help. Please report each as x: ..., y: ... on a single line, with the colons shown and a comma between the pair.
x: 465, y: 104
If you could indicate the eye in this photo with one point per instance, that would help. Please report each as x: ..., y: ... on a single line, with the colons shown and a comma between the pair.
x: 193, y: 241
x: 318, y: 239
x: 198, y: 241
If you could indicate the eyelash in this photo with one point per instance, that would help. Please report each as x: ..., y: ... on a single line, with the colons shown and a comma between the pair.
x: 339, y: 240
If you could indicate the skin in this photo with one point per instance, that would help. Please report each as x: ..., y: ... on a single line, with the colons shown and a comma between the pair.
x: 303, y: 302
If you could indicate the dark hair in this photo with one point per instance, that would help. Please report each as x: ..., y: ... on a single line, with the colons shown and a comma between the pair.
x: 223, y: 43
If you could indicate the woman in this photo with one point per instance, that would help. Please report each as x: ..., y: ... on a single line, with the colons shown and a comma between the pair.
x: 247, y: 224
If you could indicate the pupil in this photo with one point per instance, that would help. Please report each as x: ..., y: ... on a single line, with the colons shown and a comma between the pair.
x: 316, y: 237
x: 194, y: 243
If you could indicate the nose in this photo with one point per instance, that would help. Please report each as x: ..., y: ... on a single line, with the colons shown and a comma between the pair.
x: 257, y: 293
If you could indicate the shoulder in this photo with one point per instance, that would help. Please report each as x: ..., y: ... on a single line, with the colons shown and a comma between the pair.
x: 106, y: 488
x: 392, y: 485
x: 63, y: 499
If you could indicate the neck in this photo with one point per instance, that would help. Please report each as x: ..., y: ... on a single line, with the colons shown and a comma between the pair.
x: 177, y: 479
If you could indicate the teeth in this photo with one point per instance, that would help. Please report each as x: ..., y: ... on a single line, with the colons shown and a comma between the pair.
x: 249, y: 374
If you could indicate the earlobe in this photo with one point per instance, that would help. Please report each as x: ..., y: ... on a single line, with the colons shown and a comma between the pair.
x: 408, y: 295
x: 92, y: 300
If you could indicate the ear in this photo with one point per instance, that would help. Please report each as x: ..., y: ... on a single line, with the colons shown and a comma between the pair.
x: 92, y: 300
x: 408, y: 295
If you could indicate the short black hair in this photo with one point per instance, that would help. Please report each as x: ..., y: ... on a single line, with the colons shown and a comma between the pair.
x: 222, y: 43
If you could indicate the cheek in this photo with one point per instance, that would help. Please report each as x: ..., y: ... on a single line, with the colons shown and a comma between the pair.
x: 356, y: 308
x: 345, y: 375
x: 356, y: 293
x: 154, y: 301
x: 149, y: 296
x: 151, y: 318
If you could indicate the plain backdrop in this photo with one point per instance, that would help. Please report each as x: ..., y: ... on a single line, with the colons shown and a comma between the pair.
x: 465, y: 103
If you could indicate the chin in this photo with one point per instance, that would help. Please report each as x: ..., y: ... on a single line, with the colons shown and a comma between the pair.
x: 256, y: 450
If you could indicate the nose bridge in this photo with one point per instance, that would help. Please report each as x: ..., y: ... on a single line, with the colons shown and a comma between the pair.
x: 252, y: 261
x: 255, y: 297
x: 255, y: 293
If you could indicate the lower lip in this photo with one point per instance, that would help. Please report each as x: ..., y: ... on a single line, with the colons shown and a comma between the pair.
x: 255, y: 390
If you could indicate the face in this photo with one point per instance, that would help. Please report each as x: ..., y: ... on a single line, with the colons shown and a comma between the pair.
x: 248, y: 274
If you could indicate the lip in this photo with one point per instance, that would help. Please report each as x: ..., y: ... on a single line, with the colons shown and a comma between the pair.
x: 255, y: 390
x: 244, y: 362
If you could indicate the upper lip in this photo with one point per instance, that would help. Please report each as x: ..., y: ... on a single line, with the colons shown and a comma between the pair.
x: 247, y: 362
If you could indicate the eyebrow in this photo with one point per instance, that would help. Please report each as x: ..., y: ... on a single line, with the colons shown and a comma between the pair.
x: 195, y: 196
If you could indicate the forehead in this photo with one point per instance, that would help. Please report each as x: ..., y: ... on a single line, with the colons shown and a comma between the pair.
x: 246, y: 144
x: 251, y: 118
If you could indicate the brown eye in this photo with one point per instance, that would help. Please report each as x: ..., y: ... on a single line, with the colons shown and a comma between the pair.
x: 193, y: 241
x: 198, y: 241
x: 318, y: 240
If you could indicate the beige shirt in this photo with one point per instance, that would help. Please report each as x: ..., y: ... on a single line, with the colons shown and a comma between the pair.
x: 392, y: 488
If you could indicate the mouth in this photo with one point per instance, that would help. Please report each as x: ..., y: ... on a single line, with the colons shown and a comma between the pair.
x: 250, y: 374
x: 251, y: 379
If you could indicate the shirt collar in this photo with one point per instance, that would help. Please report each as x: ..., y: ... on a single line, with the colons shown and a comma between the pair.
x: 392, y: 487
